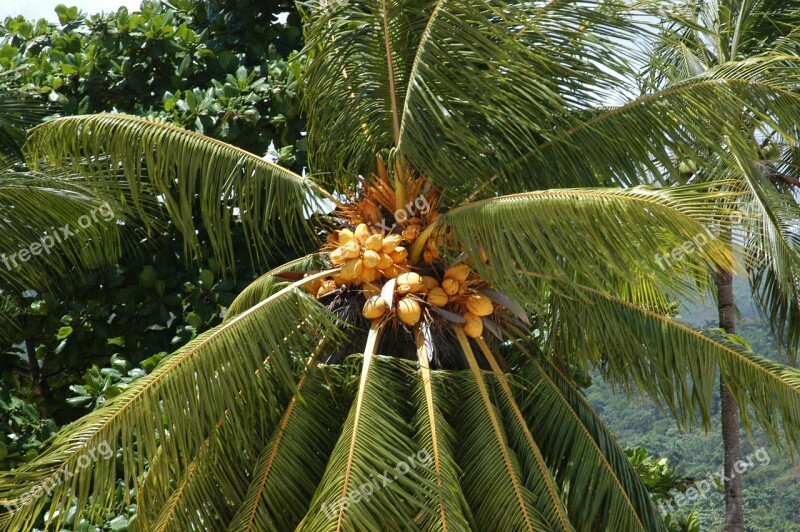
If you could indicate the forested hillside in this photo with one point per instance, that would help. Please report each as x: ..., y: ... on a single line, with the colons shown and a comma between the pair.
x: 771, y: 486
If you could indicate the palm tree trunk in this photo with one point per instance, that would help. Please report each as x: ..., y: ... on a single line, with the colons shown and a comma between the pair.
x: 734, y: 511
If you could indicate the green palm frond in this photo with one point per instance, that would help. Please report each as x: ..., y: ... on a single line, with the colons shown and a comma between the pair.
x: 616, y: 500
x: 297, y: 450
x: 637, y: 141
x: 376, y: 434
x: 18, y: 112
x: 235, y: 438
x: 204, y: 378
x: 359, y: 73
x: 199, y: 183
x: 493, y: 481
x: 500, y: 71
x: 676, y: 365
x: 568, y: 234
x: 436, y: 434
x: 773, y: 250
x: 268, y: 284
x: 52, y: 227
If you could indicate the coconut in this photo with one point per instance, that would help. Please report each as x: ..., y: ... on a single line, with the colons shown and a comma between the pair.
x: 474, y: 326
x: 375, y: 307
x: 409, y: 311
x: 480, y: 305
x: 438, y: 297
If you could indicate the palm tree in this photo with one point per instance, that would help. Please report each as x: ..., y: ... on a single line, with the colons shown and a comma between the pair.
x: 733, y: 34
x: 415, y: 371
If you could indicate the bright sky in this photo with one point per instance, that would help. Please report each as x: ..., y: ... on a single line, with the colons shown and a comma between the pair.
x: 36, y: 9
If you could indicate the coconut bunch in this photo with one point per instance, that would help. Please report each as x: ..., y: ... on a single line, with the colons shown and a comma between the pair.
x: 456, y: 296
x: 395, y: 274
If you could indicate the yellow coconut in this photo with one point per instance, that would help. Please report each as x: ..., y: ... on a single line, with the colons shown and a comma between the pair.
x: 480, y: 305
x: 430, y: 282
x: 369, y: 275
x: 371, y: 259
x: 374, y: 242
x: 326, y: 288
x: 451, y: 286
x: 474, y: 326
x: 337, y: 257
x: 409, y: 282
x: 390, y: 242
x: 351, y: 250
x: 399, y: 254
x: 459, y: 272
x: 411, y: 232
x: 438, y: 297
x: 408, y: 310
x: 375, y: 307
x: 385, y: 261
x: 345, y: 236
x: 362, y: 233
x: 352, y: 269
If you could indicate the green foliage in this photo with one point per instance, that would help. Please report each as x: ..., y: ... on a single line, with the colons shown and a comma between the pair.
x: 23, y: 431
x: 212, y: 67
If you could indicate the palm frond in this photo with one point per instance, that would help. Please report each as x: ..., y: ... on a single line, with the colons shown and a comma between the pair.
x: 53, y: 227
x: 267, y: 284
x: 291, y: 465
x: 601, y: 237
x: 188, y: 177
x: 435, y: 434
x: 773, y: 251
x: 538, y: 477
x: 675, y: 365
x: 376, y: 437
x: 488, y: 461
x: 18, y: 112
x: 577, y: 447
x: 639, y: 140
x: 358, y: 76
x: 199, y: 382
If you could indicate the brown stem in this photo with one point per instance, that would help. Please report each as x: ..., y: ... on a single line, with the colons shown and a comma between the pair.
x: 732, y: 497
x: 36, y: 374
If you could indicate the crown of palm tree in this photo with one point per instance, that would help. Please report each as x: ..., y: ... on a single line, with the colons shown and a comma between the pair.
x: 415, y: 372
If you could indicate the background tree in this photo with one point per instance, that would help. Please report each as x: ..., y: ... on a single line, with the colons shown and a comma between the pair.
x: 702, y: 36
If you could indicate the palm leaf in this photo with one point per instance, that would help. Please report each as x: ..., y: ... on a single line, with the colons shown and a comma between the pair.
x: 60, y: 226
x: 291, y: 465
x: 204, y: 378
x: 773, y: 252
x: 435, y: 433
x: 606, y: 238
x: 675, y: 365
x: 376, y: 437
x: 491, y: 467
x: 157, y: 166
x: 577, y: 446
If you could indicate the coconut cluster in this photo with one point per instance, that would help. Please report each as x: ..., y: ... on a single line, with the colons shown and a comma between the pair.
x: 410, y: 294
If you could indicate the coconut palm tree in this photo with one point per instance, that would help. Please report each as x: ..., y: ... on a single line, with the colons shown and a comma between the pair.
x: 416, y: 370
x: 703, y: 36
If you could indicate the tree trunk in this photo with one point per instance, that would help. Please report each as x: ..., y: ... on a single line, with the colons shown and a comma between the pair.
x: 36, y: 374
x: 734, y: 511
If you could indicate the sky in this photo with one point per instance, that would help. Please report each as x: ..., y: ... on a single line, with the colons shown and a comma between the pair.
x: 45, y: 8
